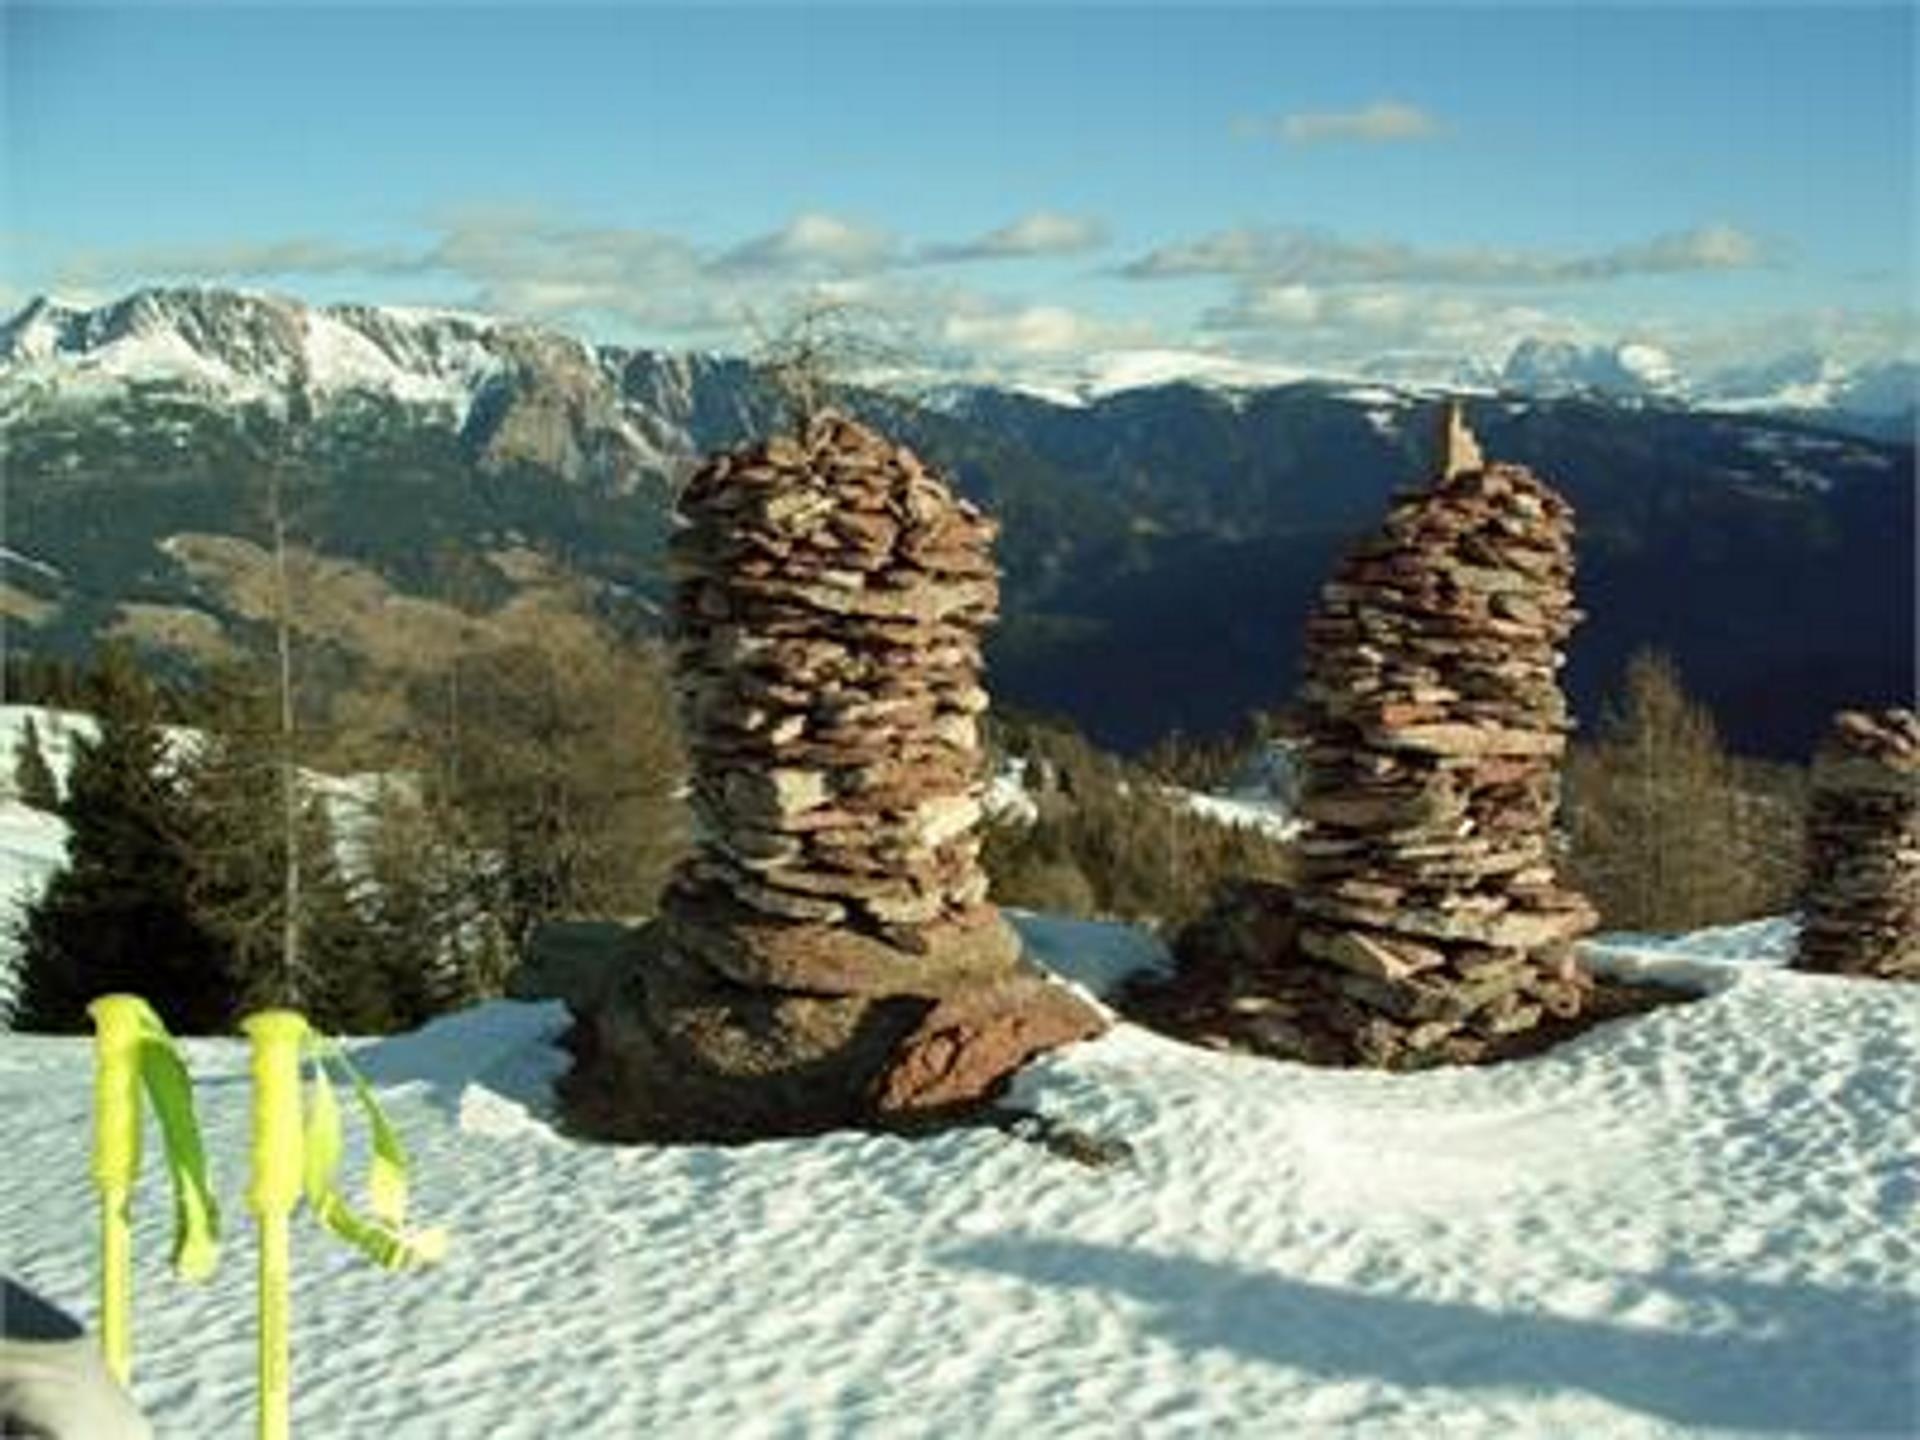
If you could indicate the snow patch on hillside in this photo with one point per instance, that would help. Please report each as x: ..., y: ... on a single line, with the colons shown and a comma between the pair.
x: 342, y: 359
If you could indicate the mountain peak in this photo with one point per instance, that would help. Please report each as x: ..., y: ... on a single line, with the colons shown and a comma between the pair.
x: 1627, y: 369
x: 244, y: 347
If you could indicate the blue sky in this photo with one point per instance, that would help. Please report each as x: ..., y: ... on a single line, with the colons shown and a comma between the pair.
x: 1001, y: 186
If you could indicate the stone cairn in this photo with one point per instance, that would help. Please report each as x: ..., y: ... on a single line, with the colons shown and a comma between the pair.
x: 1862, y: 898
x: 828, y: 955
x: 1426, y: 921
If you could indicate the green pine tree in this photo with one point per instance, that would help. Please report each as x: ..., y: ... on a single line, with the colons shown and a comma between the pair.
x: 443, y: 949
x: 323, y: 956
x: 118, y: 918
x: 33, y: 780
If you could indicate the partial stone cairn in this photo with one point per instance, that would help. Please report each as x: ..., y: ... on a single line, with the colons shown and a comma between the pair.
x: 1427, y: 921
x: 1861, y: 913
x: 828, y: 955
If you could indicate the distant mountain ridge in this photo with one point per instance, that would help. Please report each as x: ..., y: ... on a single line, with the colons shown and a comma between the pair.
x: 1162, y: 540
x: 508, y: 389
x: 249, y: 346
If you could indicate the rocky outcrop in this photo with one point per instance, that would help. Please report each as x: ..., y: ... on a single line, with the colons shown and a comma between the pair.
x: 1427, y: 920
x: 828, y: 956
x: 1862, y: 898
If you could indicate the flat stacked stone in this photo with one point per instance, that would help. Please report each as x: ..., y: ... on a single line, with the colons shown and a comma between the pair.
x: 1429, y: 917
x: 832, y: 600
x: 1862, y: 900
x: 828, y: 954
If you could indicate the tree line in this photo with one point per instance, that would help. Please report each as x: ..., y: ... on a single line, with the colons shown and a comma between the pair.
x: 535, y: 776
x: 539, y: 775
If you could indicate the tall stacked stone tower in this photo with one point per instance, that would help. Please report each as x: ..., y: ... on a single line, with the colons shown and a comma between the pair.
x: 1862, y: 901
x: 828, y: 955
x: 1430, y: 919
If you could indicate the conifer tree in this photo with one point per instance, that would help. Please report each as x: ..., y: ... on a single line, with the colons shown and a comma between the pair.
x: 241, y: 850
x: 1653, y: 810
x: 33, y: 780
x: 118, y: 918
x: 424, y: 902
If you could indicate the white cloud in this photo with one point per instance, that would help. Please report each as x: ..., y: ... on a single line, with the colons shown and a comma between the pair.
x: 497, y: 251
x: 1350, y: 323
x: 1043, y: 232
x: 298, y: 255
x: 1709, y: 247
x: 811, y: 243
x: 1303, y: 296
x: 1282, y: 305
x: 1308, y: 256
x: 1853, y: 337
x: 1025, y: 330
x: 1383, y: 122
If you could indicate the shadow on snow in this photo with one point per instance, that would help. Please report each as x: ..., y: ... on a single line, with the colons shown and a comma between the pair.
x: 1769, y: 1364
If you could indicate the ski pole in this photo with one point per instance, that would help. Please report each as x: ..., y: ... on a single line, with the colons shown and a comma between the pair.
x: 278, y: 1166
x: 116, y: 1164
x: 132, y: 1050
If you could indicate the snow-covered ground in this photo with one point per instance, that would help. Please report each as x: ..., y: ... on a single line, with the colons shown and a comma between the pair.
x: 1699, y: 1221
x: 1696, y: 1221
x: 1248, y: 812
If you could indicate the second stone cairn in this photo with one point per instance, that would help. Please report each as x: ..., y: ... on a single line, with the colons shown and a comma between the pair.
x: 1436, y: 728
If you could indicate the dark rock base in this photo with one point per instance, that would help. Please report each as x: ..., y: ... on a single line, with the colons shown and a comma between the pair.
x: 1250, y: 978
x: 677, y: 1052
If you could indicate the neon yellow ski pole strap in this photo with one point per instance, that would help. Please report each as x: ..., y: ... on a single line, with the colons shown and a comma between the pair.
x: 196, y: 1218
x: 381, y: 1235
x: 273, y: 1193
x: 133, y: 1048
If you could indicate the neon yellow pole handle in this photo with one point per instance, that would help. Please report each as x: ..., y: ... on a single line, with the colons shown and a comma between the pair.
x: 116, y: 1165
x: 278, y: 1173
x: 132, y: 1049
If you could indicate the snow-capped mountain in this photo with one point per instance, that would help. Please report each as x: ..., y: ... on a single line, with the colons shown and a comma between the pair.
x: 513, y: 392
x: 1560, y: 367
x: 1810, y: 381
x: 1877, y: 399
x: 478, y: 372
x: 251, y: 348
x: 1151, y: 529
x: 1431, y: 369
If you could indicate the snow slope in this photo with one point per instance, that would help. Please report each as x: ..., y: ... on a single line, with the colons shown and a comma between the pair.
x: 1698, y: 1221
x: 1263, y: 795
x: 33, y: 843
